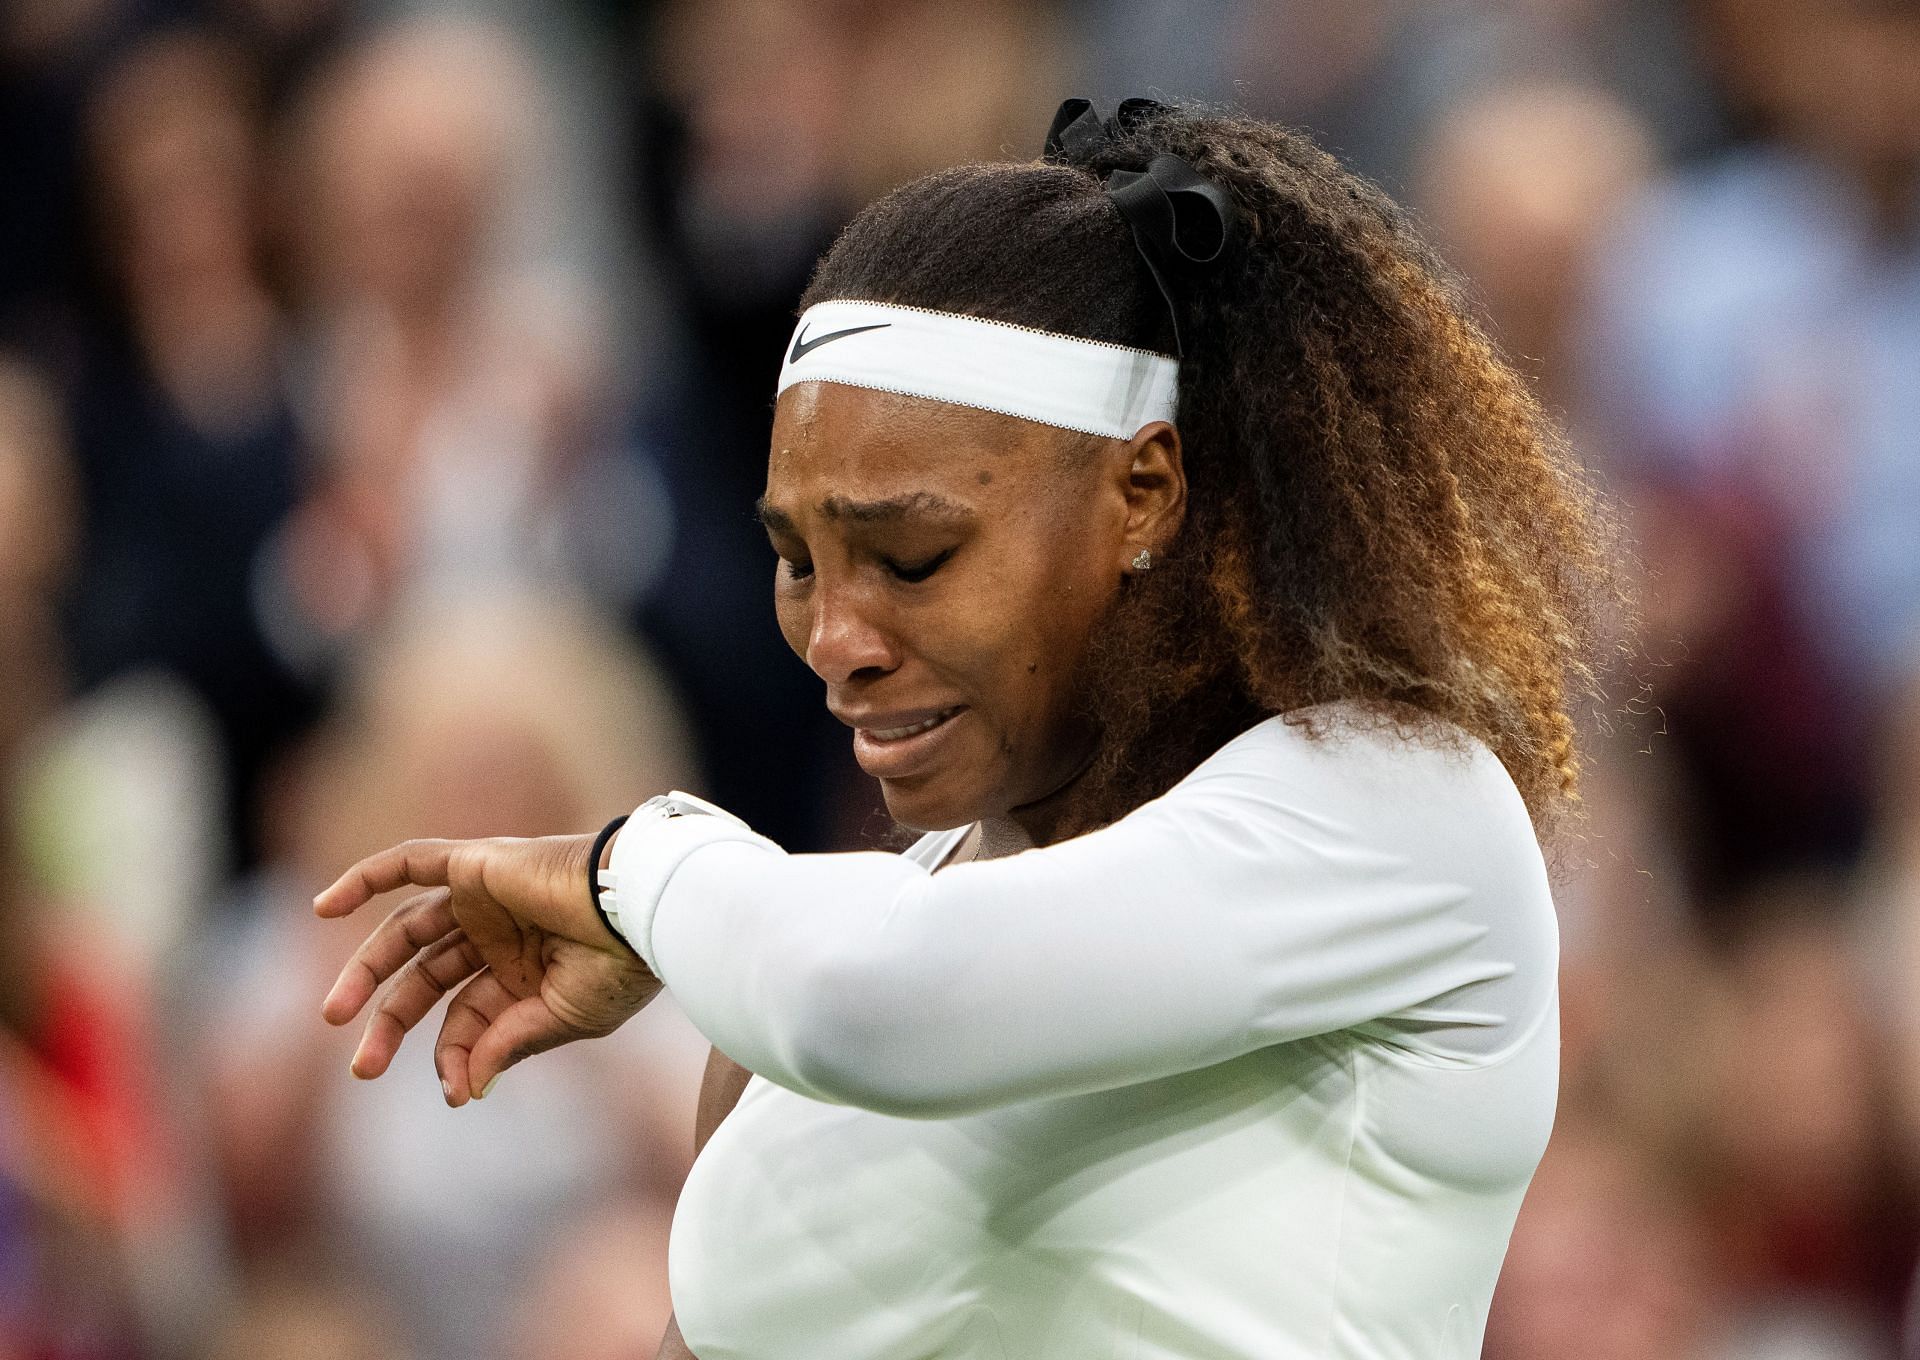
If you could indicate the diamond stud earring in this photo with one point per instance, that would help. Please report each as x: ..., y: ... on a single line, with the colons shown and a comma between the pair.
x: 1143, y: 560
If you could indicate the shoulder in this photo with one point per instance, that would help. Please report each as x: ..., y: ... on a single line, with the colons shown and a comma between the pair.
x: 1342, y: 743
x: 1346, y: 775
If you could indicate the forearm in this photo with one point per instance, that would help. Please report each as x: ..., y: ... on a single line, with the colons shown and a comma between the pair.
x: 860, y: 979
x: 1244, y: 909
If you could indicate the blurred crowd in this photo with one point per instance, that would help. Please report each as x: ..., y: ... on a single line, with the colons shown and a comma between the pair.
x: 383, y: 396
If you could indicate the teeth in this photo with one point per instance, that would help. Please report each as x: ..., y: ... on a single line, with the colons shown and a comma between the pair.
x: 896, y: 733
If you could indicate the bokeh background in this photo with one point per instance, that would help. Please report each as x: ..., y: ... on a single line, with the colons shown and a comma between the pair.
x: 383, y: 394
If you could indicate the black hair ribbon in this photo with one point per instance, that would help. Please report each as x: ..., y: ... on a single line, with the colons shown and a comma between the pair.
x: 1180, y: 219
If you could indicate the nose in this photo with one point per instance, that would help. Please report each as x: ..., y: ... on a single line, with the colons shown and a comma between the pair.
x: 845, y: 641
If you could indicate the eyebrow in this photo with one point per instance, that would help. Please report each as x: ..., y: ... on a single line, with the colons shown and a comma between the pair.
x: 913, y: 505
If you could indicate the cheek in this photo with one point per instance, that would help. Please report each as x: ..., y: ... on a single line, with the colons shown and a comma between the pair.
x: 1079, y: 584
x: 791, y: 614
x: 1048, y: 614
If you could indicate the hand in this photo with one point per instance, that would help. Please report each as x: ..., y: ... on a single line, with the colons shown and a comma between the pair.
x: 511, y: 919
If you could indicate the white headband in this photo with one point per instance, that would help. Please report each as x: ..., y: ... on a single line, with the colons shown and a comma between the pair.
x: 1084, y: 385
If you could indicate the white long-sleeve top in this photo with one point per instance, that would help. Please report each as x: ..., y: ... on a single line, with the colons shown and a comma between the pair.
x: 1260, y: 1071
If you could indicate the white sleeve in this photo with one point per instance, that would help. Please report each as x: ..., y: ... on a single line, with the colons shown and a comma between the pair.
x: 1283, y: 890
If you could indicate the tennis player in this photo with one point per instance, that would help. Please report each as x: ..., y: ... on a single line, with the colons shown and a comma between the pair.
x: 1189, y: 568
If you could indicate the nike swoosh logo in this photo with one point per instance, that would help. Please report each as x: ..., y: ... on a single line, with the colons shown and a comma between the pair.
x: 802, y: 346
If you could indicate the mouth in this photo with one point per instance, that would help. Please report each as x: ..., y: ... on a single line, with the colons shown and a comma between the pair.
x: 884, y: 734
x: 904, y: 748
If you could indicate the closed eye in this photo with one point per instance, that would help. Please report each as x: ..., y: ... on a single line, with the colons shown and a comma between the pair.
x: 795, y: 571
x: 919, y: 571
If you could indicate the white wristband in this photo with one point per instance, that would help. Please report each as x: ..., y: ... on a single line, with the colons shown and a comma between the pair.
x: 661, y: 833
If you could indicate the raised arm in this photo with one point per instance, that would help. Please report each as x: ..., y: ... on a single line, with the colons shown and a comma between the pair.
x: 1287, y: 888
x: 1279, y: 893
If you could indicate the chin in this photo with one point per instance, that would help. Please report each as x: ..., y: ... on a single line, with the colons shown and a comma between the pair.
x: 928, y: 807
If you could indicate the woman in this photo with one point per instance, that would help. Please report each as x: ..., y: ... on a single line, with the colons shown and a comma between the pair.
x: 1215, y: 1014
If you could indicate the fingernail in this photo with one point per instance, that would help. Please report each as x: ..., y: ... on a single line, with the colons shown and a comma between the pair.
x: 487, y: 1090
x: 446, y: 1089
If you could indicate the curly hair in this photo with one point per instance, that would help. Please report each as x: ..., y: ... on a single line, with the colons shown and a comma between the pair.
x: 1379, y: 510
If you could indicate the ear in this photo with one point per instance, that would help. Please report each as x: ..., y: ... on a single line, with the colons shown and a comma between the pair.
x: 1155, y: 490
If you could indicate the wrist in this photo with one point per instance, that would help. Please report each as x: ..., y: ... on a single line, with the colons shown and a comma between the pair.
x: 661, y: 834
x: 599, y: 856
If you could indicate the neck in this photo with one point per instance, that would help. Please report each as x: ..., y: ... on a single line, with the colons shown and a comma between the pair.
x: 994, y: 837
x: 1039, y: 822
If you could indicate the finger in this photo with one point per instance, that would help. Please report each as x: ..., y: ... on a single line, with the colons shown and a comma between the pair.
x: 410, y: 927
x: 422, y: 862
x: 523, y: 1029
x: 473, y: 1008
x: 419, y: 986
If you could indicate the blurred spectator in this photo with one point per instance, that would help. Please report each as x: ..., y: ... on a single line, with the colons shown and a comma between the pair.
x: 1757, y: 321
x: 306, y: 1318
x: 50, y: 52
x: 1889, y: 941
x: 37, y: 541
x: 1518, y: 184
x: 598, y: 1294
x: 90, y: 1170
x: 64, y: 1165
x: 1372, y: 78
x: 460, y: 404
x: 186, y: 448
x: 1608, y: 1262
x: 1754, y: 321
x: 320, y: 1168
